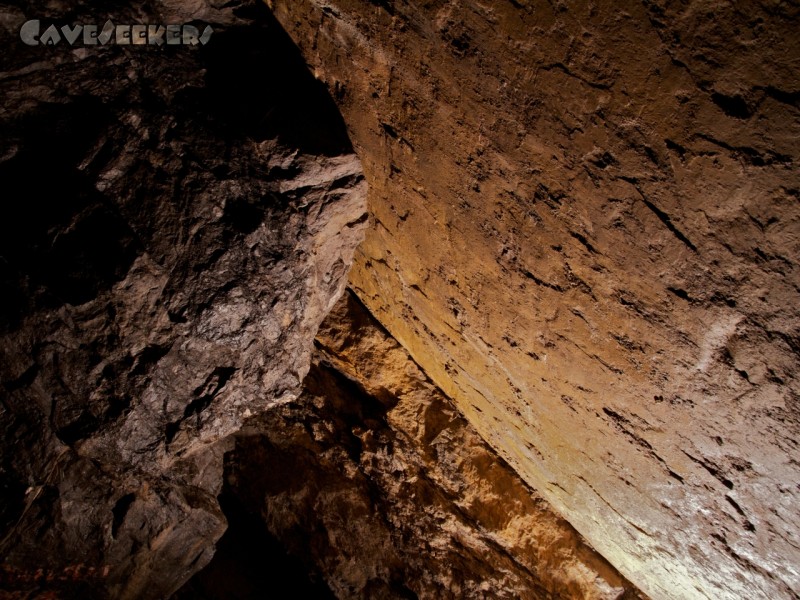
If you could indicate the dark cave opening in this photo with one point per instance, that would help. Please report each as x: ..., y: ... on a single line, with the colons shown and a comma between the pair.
x: 251, y: 564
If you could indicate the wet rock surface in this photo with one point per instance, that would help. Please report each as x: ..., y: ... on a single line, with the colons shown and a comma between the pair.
x: 177, y: 222
x: 375, y: 486
x: 587, y: 233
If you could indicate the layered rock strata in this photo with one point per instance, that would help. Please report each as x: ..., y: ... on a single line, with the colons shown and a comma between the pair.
x: 586, y: 232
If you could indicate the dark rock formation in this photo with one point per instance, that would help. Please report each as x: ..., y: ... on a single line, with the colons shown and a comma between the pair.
x: 586, y: 232
x: 375, y: 482
x: 177, y: 222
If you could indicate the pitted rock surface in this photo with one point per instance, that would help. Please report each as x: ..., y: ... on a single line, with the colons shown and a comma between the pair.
x: 586, y: 233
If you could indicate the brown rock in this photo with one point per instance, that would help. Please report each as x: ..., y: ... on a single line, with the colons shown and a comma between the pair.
x: 176, y: 226
x: 375, y: 482
x: 586, y: 233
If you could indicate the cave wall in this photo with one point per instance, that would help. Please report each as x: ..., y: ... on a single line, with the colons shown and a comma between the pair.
x: 399, y: 497
x: 586, y: 232
x: 177, y: 221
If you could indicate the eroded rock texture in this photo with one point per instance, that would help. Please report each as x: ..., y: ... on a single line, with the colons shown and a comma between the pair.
x: 375, y: 484
x: 176, y: 223
x: 586, y: 232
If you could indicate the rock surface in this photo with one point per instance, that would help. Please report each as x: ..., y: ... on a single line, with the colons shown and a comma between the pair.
x: 177, y: 222
x: 587, y: 234
x: 375, y: 483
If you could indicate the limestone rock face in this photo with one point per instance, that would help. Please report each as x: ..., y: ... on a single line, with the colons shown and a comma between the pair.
x: 375, y: 483
x: 586, y: 232
x: 177, y: 222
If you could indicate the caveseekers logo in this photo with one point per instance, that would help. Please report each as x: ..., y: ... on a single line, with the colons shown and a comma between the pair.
x: 91, y: 35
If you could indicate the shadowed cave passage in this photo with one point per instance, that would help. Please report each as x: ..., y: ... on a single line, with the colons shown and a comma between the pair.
x: 114, y: 265
x: 251, y: 564
x: 61, y: 241
x: 587, y: 234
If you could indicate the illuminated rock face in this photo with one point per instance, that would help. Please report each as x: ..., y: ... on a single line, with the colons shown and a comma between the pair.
x: 375, y: 482
x: 585, y: 230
